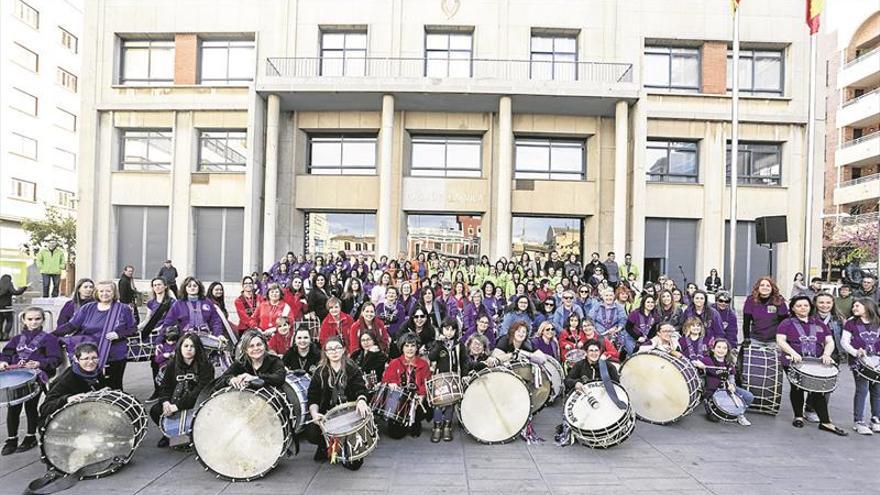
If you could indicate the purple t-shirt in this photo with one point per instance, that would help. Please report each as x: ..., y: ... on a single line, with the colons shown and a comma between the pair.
x: 729, y: 325
x: 864, y: 336
x: 694, y: 349
x: 806, y: 338
x: 765, y: 318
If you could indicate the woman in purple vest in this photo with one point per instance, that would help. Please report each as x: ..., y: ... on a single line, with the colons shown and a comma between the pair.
x: 193, y: 312
x: 83, y: 293
x: 763, y: 310
x: 861, y: 339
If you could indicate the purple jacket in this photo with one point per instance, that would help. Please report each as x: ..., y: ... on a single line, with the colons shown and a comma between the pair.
x: 713, y: 380
x: 470, y: 315
x: 393, y: 318
x: 605, y: 318
x: 494, y: 307
x: 47, y: 353
x: 88, y: 324
x: 694, y: 349
x: 551, y: 349
x: 862, y: 337
x: 729, y: 325
x: 159, y: 358
x: 179, y: 315
x: 711, y: 320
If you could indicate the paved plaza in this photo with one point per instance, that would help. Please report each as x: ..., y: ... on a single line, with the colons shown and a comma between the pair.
x: 690, y: 457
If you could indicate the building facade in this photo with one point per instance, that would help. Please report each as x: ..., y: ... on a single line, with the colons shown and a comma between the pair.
x: 224, y: 137
x: 40, y: 84
x: 852, y: 157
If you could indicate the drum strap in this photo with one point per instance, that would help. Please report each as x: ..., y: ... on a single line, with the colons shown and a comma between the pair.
x: 609, y: 387
x: 54, y: 481
x: 25, y: 351
x: 109, y: 326
x: 809, y: 344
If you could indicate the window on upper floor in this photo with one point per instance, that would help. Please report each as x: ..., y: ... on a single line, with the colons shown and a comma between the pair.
x: 25, y: 57
x: 759, y: 164
x: 64, y: 159
x: 66, y: 79
x: 342, y: 154
x: 145, y: 149
x: 21, y: 145
x: 65, y: 120
x: 65, y: 199
x: 672, y: 68
x: 554, y: 57
x: 445, y: 156
x: 343, y: 53
x: 222, y: 150
x: 550, y: 159
x: 23, y: 189
x: 448, y: 53
x: 147, y: 62
x: 760, y: 72
x: 672, y: 161
x: 27, y: 14
x: 227, y: 62
x: 68, y: 40
x: 23, y: 102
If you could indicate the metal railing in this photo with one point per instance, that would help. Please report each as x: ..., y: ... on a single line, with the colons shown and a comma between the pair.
x: 861, y: 57
x: 866, y: 95
x: 393, y: 68
x: 866, y: 137
x: 860, y: 219
x: 860, y: 180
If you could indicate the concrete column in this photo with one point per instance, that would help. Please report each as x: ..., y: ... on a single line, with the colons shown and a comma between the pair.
x: 273, y: 115
x: 502, y: 214
x: 252, y: 254
x: 638, y: 208
x: 180, y: 213
x: 621, y: 143
x: 384, y: 214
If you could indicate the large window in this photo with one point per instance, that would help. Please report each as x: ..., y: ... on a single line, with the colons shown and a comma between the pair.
x: 65, y: 199
x: 451, y: 236
x: 65, y: 120
x: 223, y: 151
x: 23, y: 189
x: 25, y: 57
x: 141, y: 237
x: 343, y: 53
x: 219, y: 245
x: 554, y: 57
x: 672, y: 68
x: 22, y: 145
x: 758, y: 164
x: 64, y: 159
x: 27, y: 14
x: 226, y: 62
x: 68, y: 40
x: 23, y: 101
x: 752, y: 259
x: 148, y: 150
x: 550, y: 159
x: 448, y: 54
x: 760, y: 72
x: 540, y: 235
x: 354, y: 233
x: 671, y: 249
x: 147, y: 62
x: 449, y: 156
x: 66, y: 79
x: 672, y: 161
x: 349, y: 154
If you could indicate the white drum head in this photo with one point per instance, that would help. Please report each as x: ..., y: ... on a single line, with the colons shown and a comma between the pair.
x: 871, y: 362
x: 238, y: 434
x: 581, y: 413
x: 658, y: 391
x: 495, y: 407
x: 557, y: 377
x: 816, y: 368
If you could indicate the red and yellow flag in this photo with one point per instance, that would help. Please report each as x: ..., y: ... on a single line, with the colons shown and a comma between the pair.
x: 734, y: 4
x: 814, y: 11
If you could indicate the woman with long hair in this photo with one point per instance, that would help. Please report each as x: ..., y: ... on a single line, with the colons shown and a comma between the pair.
x: 861, y: 339
x: 762, y: 311
x: 83, y: 293
x: 694, y: 341
x: 520, y: 311
x: 639, y: 324
x: 667, y: 310
x: 420, y: 325
x: 217, y: 294
x: 7, y: 290
x: 246, y: 303
x: 368, y: 322
x: 433, y: 307
x: 713, y: 282
x: 370, y: 359
x: 720, y: 368
x: 408, y: 372
x: 252, y: 362
x: 353, y: 297
x: 303, y: 355
x: 193, y: 311
x: 699, y: 308
x: 318, y: 296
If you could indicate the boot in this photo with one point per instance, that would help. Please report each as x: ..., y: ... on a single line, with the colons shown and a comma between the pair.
x: 416, y: 429
x: 29, y: 442
x: 10, y: 446
x: 435, y: 433
x: 163, y: 442
x: 447, y: 431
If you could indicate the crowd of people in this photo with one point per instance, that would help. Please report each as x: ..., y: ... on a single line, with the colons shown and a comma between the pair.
x: 353, y: 324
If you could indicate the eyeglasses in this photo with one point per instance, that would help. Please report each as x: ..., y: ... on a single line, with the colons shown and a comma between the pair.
x: 93, y: 358
x: 584, y: 292
x: 333, y: 349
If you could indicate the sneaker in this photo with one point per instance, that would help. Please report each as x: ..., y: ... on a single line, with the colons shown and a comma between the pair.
x: 811, y: 416
x: 10, y: 446
x: 743, y: 421
x: 29, y: 442
x: 862, y: 429
x: 875, y: 424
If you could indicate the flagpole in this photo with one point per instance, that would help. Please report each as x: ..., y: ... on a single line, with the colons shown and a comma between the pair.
x: 734, y: 152
x: 811, y: 152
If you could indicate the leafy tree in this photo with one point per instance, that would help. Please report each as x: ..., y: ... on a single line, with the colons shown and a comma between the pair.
x: 58, y: 226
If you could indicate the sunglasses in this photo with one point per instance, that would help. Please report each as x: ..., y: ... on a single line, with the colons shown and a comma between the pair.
x: 419, y: 316
x: 567, y: 298
x: 722, y: 301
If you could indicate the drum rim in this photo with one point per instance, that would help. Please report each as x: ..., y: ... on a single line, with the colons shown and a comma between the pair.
x: 693, y: 393
x: 555, y: 394
x: 452, y: 398
x: 365, y: 421
x: 476, y: 375
x: 628, y: 424
x: 534, y: 410
x: 31, y: 385
x: 575, y: 393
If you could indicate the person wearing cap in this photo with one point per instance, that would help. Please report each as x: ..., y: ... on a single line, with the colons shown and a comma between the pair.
x: 169, y: 274
x: 729, y: 324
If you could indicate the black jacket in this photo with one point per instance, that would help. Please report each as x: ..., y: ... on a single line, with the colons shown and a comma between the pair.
x: 371, y: 362
x: 68, y: 384
x: 272, y: 371
x: 182, y: 387
x: 585, y: 372
x: 127, y: 294
x: 294, y: 362
x: 321, y: 391
x: 449, y: 358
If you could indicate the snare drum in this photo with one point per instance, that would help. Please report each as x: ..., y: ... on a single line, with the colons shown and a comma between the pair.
x: 557, y: 378
x: 813, y: 376
x: 178, y: 424
x: 394, y: 405
x: 868, y: 367
x: 297, y: 391
x: 240, y: 435
x: 142, y: 348
x: 573, y: 357
x: 218, y: 353
x: 18, y: 385
x: 595, y: 420
x: 761, y: 374
x: 355, y: 436
x: 725, y: 406
x: 101, y: 426
x: 444, y: 389
x: 495, y: 406
x: 536, y: 379
x: 663, y: 388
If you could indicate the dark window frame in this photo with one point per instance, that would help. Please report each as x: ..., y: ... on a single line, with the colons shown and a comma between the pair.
x: 682, y: 52
x: 529, y: 141
x: 673, y: 145
x: 750, y: 57
x: 748, y: 149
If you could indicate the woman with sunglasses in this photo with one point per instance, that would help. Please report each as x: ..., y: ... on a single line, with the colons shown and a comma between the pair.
x: 545, y: 312
x: 729, y: 322
x: 420, y: 325
x: 433, y: 307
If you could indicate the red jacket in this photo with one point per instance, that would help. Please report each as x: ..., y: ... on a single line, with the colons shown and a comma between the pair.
x: 354, y: 341
x: 610, y: 351
x: 246, y: 309
x: 331, y: 327
x: 279, y: 344
x: 569, y: 341
x: 266, y: 315
x: 295, y: 303
x: 397, y: 370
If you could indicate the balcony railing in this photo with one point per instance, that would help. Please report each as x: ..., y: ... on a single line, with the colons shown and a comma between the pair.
x: 394, y: 68
x: 864, y: 96
x: 861, y: 57
x: 860, y: 180
x: 860, y: 140
x: 860, y: 219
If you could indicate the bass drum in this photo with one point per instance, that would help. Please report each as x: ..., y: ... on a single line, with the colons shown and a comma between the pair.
x: 595, y: 419
x: 557, y: 378
x: 761, y: 374
x: 663, y: 388
x: 102, y: 426
x: 537, y: 380
x: 495, y: 406
x: 241, y: 434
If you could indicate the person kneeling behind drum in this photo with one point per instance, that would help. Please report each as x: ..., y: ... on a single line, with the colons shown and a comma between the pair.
x: 253, y: 362
x: 720, y: 369
x: 516, y: 344
x: 82, y: 377
x: 186, y: 375
x: 588, y: 370
x: 450, y: 356
x: 408, y: 372
x: 666, y: 340
x: 336, y: 380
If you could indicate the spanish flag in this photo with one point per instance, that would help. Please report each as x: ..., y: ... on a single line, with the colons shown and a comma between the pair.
x: 814, y: 11
x: 734, y: 4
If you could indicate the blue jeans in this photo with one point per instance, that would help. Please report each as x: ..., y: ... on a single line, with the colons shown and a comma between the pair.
x: 863, y: 389
x: 745, y: 395
x: 629, y: 343
x: 55, y: 280
x: 443, y: 413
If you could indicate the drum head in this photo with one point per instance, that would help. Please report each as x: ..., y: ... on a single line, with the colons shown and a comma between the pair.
x: 16, y: 377
x: 495, y: 407
x: 658, y: 390
x: 238, y: 434
x: 594, y: 409
x: 342, y: 421
x: 816, y: 368
x: 871, y: 362
x: 83, y: 433
x: 539, y: 394
x: 557, y: 377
